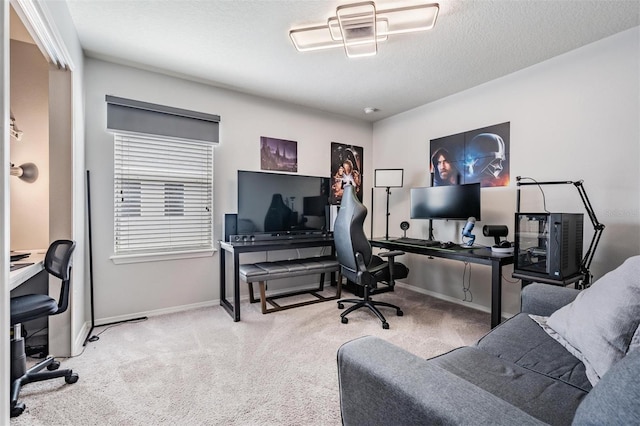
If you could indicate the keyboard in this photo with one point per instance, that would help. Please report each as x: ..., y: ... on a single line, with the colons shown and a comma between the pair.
x: 17, y: 266
x: 18, y: 256
x: 416, y: 242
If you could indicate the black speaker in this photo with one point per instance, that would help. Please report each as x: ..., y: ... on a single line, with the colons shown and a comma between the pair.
x: 230, y: 225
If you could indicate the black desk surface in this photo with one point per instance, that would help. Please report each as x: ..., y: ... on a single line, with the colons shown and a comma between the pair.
x: 481, y: 255
x: 279, y: 244
x: 474, y: 254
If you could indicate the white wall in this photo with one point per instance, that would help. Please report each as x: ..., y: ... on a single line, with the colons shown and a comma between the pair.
x: 126, y: 290
x: 563, y: 113
x: 572, y: 117
x: 30, y: 107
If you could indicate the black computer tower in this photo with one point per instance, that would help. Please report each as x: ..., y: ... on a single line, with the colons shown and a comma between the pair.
x: 548, y: 245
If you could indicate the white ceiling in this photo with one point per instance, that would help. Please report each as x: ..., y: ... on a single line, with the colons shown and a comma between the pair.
x: 244, y: 45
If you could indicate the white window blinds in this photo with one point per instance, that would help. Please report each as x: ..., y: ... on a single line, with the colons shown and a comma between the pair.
x: 163, y: 195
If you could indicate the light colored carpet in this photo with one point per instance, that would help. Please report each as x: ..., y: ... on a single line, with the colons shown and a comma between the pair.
x: 201, y: 368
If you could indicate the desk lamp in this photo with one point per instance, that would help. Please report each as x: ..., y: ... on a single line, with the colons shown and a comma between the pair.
x: 387, y: 178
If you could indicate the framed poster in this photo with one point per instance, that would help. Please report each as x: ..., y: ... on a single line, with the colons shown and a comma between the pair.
x: 346, y: 169
x: 278, y: 154
x: 480, y: 155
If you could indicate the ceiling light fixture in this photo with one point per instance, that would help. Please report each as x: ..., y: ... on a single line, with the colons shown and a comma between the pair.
x: 359, y: 27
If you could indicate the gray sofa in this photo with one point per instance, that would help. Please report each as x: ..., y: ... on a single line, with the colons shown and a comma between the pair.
x: 515, y: 375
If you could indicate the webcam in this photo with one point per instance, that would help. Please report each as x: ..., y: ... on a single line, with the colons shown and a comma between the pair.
x: 497, y: 231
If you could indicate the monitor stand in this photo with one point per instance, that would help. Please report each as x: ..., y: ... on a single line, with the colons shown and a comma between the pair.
x: 431, y: 231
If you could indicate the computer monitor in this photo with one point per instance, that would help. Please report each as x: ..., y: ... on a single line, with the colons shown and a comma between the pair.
x: 278, y: 203
x: 455, y: 202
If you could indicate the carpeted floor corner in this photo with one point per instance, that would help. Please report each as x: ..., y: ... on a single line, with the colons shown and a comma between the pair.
x: 201, y: 368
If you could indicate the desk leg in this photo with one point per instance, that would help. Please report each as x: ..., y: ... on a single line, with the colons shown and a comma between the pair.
x: 236, y: 286
x: 496, y: 294
x: 232, y: 309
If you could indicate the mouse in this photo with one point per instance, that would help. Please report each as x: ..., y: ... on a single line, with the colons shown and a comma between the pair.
x: 448, y: 244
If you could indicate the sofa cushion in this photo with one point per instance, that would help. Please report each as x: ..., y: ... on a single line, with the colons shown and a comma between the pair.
x: 521, y: 341
x: 382, y: 384
x: 600, y: 324
x: 536, y: 394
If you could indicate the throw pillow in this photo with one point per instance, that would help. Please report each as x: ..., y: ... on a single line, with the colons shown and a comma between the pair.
x: 601, y: 325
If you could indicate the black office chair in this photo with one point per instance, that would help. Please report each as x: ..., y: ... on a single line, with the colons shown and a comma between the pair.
x: 357, y: 263
x: 57, y: 262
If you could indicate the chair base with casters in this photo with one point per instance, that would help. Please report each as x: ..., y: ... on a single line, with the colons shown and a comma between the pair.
x: 366, y: 302
x: 21, y: 376
x: 27, y: 307
x: 377, y: 271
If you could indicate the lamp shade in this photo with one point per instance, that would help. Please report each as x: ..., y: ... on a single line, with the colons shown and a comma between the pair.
x: 388, y: 178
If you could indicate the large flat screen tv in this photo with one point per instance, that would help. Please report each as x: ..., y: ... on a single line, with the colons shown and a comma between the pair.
x: 278, y: 203
x: 455, y: 202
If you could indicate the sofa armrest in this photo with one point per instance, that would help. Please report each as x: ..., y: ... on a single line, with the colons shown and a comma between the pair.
x: 382, y: 384
x: 545, y: 299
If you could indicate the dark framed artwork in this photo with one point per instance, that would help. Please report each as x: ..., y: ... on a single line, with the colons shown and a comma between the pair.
x: 480, y: 155
x: 278, y: 154
x: 346, y: 169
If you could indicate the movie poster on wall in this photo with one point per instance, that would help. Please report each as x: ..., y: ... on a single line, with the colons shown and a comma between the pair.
x: 278, y: 154
x: 346, y: 169
x: 480, y: 155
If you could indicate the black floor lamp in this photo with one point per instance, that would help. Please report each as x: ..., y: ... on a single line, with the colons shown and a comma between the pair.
x: 387, y: 178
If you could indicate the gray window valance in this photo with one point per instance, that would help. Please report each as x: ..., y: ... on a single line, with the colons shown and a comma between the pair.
x: 127, y: 115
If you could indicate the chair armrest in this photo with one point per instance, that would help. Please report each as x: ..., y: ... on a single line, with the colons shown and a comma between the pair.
x: 392, y: 256
x: 545, y: 299
x: 381, y: 384
x: 393, y: 253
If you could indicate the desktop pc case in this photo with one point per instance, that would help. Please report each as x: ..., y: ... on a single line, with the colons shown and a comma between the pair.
x: 548, y: 245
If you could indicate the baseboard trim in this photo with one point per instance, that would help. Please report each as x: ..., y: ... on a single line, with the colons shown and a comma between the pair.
x: 457, y: 301
x: 80, y: 338
x: 78, y: 342
x: 157, y: 312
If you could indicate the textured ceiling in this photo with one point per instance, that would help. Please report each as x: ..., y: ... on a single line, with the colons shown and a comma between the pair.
x: 244, y: 45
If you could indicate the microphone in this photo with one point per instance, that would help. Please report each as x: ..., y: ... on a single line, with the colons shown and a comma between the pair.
x: 466, y: 232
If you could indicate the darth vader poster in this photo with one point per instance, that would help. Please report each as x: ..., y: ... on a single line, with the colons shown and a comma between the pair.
x: 480, y: 155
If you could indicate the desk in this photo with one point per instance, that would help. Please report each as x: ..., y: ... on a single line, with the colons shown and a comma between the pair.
x: 19, y: 276
x: 32, y: 279
x: 483, y: 256
x: 238, y: 247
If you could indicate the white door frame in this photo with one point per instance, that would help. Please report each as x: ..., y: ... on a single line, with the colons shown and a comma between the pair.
x: 38, y: 21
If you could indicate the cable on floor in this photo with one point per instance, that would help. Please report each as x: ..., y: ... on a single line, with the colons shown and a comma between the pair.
x: 466, y: 288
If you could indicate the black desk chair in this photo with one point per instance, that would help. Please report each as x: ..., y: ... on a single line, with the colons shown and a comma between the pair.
x: 31, y: 306
x: 357, y: 262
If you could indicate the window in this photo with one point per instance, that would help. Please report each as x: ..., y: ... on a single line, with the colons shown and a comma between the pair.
x: 163, y: 179
x: 163, y: 195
